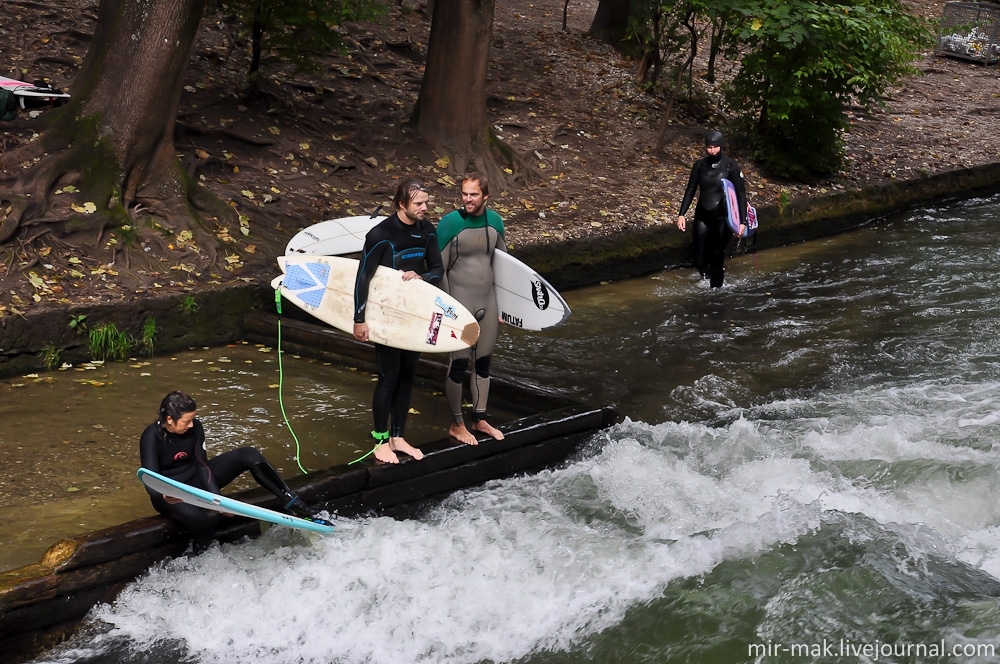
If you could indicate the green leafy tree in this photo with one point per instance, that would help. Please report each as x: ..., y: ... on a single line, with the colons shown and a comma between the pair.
x: 803, y: 62
x: 670, y: 33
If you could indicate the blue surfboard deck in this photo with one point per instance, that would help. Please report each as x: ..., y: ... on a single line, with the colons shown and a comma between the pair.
x: 212, y: 501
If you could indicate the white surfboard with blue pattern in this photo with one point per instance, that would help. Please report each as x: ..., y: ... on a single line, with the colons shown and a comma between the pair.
x: 411, y: 315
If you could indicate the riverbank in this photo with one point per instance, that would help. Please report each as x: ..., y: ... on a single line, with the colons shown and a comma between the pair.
x: 334, y: 143
x: 212, y: 314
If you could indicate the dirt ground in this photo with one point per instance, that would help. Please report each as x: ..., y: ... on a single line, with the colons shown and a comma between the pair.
x: 332, y: 144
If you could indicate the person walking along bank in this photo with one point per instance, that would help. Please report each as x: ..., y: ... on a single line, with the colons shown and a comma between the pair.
x: 711, y: 232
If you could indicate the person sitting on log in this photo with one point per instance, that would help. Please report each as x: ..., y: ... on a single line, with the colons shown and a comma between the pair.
x: 174, y: 446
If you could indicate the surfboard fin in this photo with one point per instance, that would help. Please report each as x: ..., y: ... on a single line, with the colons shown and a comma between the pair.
x: 470, y: 333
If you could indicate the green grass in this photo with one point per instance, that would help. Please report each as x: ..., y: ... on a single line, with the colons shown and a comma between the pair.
x: 188, y: 305
x: 107, y: 342
x: 148, y: 336
x: 78, y: 323
x: 51, y: 356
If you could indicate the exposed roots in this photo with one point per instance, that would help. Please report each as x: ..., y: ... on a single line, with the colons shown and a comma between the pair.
x: 495, y: 159
x: 24, y: 154
x: 75, y: 234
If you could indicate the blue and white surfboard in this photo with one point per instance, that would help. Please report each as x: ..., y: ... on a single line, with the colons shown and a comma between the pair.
x: 212, y: 501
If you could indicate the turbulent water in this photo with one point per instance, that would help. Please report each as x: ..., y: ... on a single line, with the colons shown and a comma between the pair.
x: 807, y: 473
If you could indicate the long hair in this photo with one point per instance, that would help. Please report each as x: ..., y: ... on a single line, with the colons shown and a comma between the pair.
x: 405, y: 192
x: 174, y: 405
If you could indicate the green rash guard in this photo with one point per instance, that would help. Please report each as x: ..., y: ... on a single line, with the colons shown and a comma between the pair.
x: 467, y: 246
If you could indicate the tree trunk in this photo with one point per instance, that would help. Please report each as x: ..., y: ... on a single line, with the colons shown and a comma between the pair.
x: 257, y: 25
x: 450, y: 112
x: 718, y: 34
x: 114, y: 141
x: 610, y: 24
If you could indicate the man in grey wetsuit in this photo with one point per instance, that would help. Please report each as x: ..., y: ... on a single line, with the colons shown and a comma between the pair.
x: 468, y: 237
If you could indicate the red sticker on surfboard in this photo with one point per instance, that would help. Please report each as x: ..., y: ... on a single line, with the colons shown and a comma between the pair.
x: 434, y: 328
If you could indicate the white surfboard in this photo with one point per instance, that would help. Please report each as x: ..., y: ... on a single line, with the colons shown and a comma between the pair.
x: 213, y: 501
x: 411, y: 315
x: 24, y: 89
x: 333, y: 237
x: 524, y: 298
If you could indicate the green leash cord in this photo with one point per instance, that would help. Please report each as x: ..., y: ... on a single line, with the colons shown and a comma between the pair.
x: 281, y: 386
x: 379, y: 437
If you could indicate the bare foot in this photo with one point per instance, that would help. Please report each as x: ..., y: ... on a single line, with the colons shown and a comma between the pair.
x: 485, y: 427
x: 400, y: 445
x: 461, y: 434
x: 385, y: 454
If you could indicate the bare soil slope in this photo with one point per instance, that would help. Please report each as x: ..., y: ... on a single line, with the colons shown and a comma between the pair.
x: 333, y: 144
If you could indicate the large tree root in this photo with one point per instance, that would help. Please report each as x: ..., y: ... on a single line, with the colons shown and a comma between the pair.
x: 495, y: 159
x: 84, y: 220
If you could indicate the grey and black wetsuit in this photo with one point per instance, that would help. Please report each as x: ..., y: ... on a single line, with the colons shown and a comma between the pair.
x: 408, y: 248
x: 710, y: 231
x: 467, y: 245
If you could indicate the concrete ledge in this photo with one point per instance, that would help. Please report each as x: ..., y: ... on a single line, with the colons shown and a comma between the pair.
x: 632, y: 253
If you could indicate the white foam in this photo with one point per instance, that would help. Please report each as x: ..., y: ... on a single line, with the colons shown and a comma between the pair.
x: 541, y: 562
x: 469, y: 586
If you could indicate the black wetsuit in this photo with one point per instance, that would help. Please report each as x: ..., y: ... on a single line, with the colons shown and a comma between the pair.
x: 408, y: 248
x: 182, y: 457
x: 710, y: 230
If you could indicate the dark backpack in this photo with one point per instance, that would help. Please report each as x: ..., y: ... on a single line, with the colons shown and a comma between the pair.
x: 8, y: 105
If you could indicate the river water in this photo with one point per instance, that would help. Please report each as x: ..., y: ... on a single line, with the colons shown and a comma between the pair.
x: 69, y: 464
x: 807, y: 473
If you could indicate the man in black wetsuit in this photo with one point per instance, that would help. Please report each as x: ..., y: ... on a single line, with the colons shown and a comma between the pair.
x: 407, y: 242
x: 711, y: 231
x: 174, y: 446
